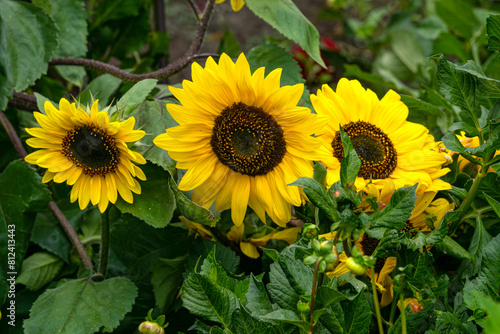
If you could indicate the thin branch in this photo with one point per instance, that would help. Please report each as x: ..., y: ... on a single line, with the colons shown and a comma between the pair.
x: 23, y: 101
x: 177, y: 66
x: 160, y: 24
x: 68, y: 229
x: 195, y: 9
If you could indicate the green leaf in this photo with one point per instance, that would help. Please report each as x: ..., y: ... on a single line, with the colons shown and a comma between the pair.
x: 453, y: 248
x: 449, y: 44
x: 139, y: 246
x: 489, y: 186
x: 353, y: 70
x: 202, y: 297
x: 326, y: 296
x: 229, y: 45
x: 495, y: 205
x: 414, y: 321
x: 244, y: 323
x: 285, y: 17
x: 452, y: 143
x: 135, y: 96
x: 317, y: 195
x: 257, y: 299
x: 273, y: 57
x: 491, y: 321
x: 28, y: 40
x: 166, y: 279
x: 407, y: 48
x: 192, y: 211
x: 357, y: 315
x: 454, y: 321
x: 103, y: 87
x: 489, y: 272
x: 493, y: 31
x: 156, y: 203
x: 200, y: 249
x: 479, y: 241
x: 39, y: 269
x: 82, y: 306
x: 287, y: 316
x: 437, y: 235
x: 397, y: 212
x: 212, y: 269
x: 154, y: 117
x: 458, y: 15
x: 108, y: 10
x: 350, y: 164
x: 488, y: 87
x: 420, y: 111
x: 21, y: 193
x: 457, y: 86
x: 71, y: 19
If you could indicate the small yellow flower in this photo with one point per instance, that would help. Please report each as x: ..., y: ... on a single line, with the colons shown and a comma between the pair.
x: 88, y: 152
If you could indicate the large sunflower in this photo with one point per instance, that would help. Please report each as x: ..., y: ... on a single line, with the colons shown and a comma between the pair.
x: 88, y: 152
x: 389, y: 146
x: 242, y: 139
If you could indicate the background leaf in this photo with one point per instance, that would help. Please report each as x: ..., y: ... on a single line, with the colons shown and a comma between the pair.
x: 82, y: 306
x: 397, y: 212
x: 39, y: 269
x: 135, y: 96
x: 167, y: 279
x: 285, y: 17
x: 29, y: 37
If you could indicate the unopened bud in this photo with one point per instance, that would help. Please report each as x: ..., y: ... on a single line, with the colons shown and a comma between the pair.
x: 354, y: 267
x: 310, y: 231
x: 148, y: 327
x: 303, y: 307
x: 415, y: 307
x: 336, y: 193
x: 310, y: 260
x: 326, y: 248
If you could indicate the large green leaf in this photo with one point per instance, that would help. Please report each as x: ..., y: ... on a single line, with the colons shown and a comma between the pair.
x: 457, y: 86
x: 257, y: 298
x: 285, y: 17
x: 419, y: 110
x: 493, y: 31
x: 458, y: 15
x: 202, y: 297
x: 71, y: 19
x: 135, y: 96
x: 289, y: 317
x: 139, y: 245
x: 21, y: 192
x: 488, y: 87
x: 167, y: 279
x: 357, y: 315
x: 244, y: 323
x: 397, y: 212
x: 407, y: 48
x: 156, y: 203
x: 317, y: 195
x: 82, y: 306
x: 103, y: 87
x: 39, y: 269
x: 452, y: 143
x: 154, y: 117
x: 492, y: 321
x: 28, y: 38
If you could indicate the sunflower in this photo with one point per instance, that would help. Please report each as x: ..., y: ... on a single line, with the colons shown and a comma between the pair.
x: 242, y: 139
x: 88, y: 152
x: 389, y: 147
x: 235, y: 4
x: 384, y: 266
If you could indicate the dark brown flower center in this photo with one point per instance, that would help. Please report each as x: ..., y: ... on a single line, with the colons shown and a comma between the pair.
x: 374, y: 148
x: 91, y: 149
x: 248, y: 140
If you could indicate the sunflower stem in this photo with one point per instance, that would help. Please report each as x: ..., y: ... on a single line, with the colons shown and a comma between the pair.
x: 403, y: 313
x: 313, y: 295
x: 175, y: 67
x: 68, y: 229
x: 393, y: 311
x: 347, y: 248
x: 103, y: 259
x: 375, y: 301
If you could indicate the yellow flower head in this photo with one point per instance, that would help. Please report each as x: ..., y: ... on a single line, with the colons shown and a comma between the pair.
x: 242, y: 139
x: 390, y: 148
x: 87, y: 151
x: 235, y: 4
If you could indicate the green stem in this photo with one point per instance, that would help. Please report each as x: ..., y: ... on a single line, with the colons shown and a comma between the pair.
x: 347, y: 248
x: 403, y: 313
x: 103, y: 259
x: 464, y: 207
x: 375, y: 301
x: 313, y: 295
x: 393, y: 311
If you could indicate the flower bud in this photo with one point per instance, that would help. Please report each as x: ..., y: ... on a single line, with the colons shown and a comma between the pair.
x: 303, y: 307
x: 330, y: 258
x: 148, y: 327
x: 354, y: 267
x: 310, y: 260
x: 326, y: 248
x: 322, y: 266
x: 310, y: 231
x: 316, y: 246
x: 479, y: 313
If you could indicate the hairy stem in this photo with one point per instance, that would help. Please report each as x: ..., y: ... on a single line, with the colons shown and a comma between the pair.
x: 66, y: 226
x: 104, y: 250
x: 403, y: 313
x: 177, y: 66
x: 313, y: 295
x: 375, y: 301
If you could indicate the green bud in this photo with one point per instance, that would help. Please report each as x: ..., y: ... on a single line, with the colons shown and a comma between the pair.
x: 316, y: 246
x: 148, y: 327
x: 355, y: 267
x: 310, y: 260
x: 330, y: 258
x: 326, y: 248
x: 303, y: 307
x: 479, y: 313
x: 310, y: 231
x: 322, y: 266
x: 398, y: 283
